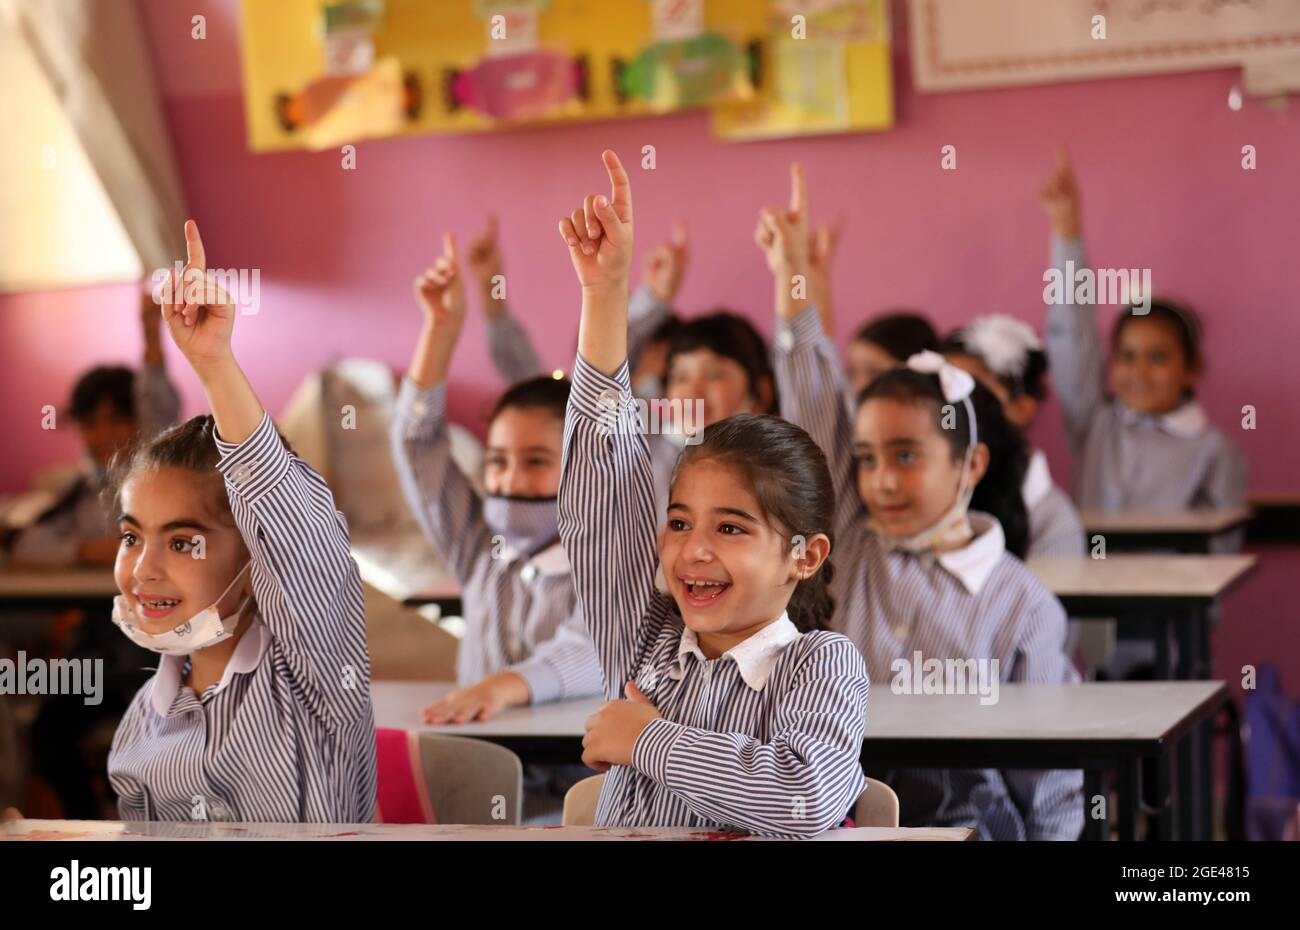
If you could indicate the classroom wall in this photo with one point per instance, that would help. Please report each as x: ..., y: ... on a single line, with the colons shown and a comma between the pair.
x: 1158, y: 158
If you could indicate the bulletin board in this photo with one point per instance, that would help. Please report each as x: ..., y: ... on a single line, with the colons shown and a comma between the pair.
x: 437, y: 68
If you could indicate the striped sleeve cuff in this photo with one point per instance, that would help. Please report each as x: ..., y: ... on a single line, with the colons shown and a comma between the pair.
x: 256, y: 465
x: 594, y: 394
x: 803, y: 332
x: 653, y: 748
x: 420, y: 411
x: 543, y: 680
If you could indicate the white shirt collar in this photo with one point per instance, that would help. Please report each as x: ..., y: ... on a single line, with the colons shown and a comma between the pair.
x: 755, y: 656
x: 1186, y: 421
x: 1038, y: 480
x: 974, y: 562
x: 552, y: 560
x: 246, y: 657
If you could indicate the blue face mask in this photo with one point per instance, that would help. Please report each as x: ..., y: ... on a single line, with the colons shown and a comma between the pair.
x: 528, y: 524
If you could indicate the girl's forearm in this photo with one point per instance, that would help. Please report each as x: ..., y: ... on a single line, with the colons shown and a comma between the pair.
x: 602, y: 333
x: 432, y: 358
x: 234, y: 404
x: 788, y: 306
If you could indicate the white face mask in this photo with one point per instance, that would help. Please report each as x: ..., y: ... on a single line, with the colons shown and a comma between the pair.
x: 204, y: 629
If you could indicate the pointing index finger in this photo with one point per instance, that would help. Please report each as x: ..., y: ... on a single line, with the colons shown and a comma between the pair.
x: 798, y: 189
x: 621, y: 187
x: 194, y: 255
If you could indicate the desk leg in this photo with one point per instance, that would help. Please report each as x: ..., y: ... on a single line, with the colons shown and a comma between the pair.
x: 1127, y: 794
x: 1164, y: 667
x: 1168, y: 824
x: 1096, y: 829
x: 1204, y: 733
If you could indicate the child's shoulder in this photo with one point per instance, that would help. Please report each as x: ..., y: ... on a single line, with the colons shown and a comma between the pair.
x: 1012, y: 580
x: 826, y: 649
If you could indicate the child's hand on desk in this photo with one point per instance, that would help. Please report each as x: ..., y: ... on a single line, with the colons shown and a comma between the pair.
x: 666, y: 264
x: 199, y: 314
x: 480, y: 701
x: 612, y: 731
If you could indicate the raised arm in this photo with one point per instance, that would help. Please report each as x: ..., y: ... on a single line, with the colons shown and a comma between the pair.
x: 443, y: 500
x: 509, y: 345
x: 809, y: 378
x: 799, y: 782
x: 652, y: 302
x: 157, y: 405
x: 306, y: 585
x: 1071, y: 339
x: 606, y: 497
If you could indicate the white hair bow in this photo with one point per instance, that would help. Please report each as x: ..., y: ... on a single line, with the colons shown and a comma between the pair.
x: 956, y: 384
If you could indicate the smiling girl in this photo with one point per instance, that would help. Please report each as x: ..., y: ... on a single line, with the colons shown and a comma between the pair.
x: 739, y: 711
x: 918, y: 571
x: 234, y: 565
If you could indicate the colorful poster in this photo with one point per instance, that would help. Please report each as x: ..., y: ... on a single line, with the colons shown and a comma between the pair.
x: 320, y: 73
x: 826, y: 67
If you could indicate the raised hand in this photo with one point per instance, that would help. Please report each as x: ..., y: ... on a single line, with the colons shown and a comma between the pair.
x: 484, y: 255
x: 666, y: 264
x: 1060, y: 197
x: 199, y: 314
x: 783, y: 234
x: 599, y: 233
x: 440, y: 289
x: 822, y: 243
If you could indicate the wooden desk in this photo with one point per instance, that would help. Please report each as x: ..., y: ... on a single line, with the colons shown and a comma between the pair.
x: 1183, y: 530
x: 1096, y: 727
x: 352, y: 832
x: 1160, y: 595
x: 56, y: 589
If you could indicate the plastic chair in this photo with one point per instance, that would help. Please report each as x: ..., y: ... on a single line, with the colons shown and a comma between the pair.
x: 580, y: 802
x: 435, y: 778
x: 877, y: 806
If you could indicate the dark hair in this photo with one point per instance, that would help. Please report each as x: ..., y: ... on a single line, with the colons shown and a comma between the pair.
x: 666, y: 330
x: 731, y: 336
x: 113, y: 383
x: 1032, y: 381
x: 901, y: 334
x: 190, y: 446
x: 999, y: 492
x: 1180, y: 317
x: 787, y: 473
x: 540, y: 393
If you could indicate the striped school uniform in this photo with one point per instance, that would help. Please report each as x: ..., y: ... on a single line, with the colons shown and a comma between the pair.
x: 765, y: 738
x: 288, y: 733
x: 977, y: 602
x: 521, y: 612
x: 1123, y: 459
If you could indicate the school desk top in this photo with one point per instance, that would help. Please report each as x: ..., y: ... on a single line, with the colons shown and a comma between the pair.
x: 1168, y: 577
x: 1191, y: 521
x: 404, y: 566
x: 116, y: 830
x: 31, y: 585
x: 1028, y: 722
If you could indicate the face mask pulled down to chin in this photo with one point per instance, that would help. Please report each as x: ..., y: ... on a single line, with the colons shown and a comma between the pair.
x: 204, y: 629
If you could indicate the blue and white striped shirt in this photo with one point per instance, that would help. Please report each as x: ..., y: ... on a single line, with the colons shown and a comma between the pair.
x: 781, y: 759
x: 977, y: 602
x: 520, y: 614
x: 288, y: 734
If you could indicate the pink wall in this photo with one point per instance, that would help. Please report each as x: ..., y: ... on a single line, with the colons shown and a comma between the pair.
x: 1159, y: 160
